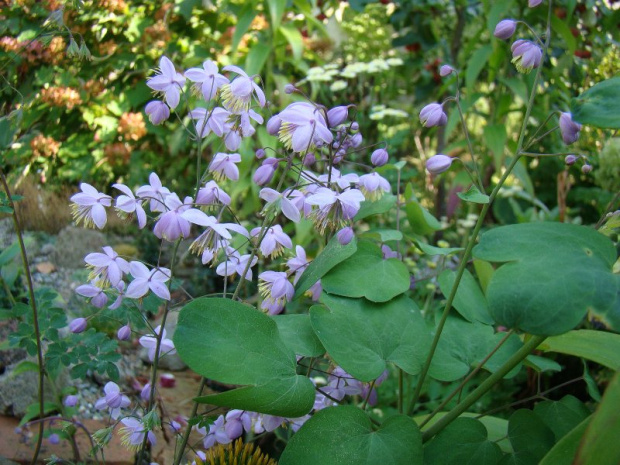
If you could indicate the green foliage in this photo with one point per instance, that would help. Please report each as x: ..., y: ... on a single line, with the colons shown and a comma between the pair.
x: 469, y: 300
x: 345, y: 435
x: 597, y: 105
x: 598, y: 346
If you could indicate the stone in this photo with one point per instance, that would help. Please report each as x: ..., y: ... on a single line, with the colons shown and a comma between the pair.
x: 47, y: 249
x: 45, y: 267
x: 74, y: 243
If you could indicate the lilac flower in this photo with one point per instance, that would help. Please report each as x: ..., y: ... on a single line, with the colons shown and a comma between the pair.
x: 446, y: 70
x: 280, y: 202
x: 168, y: 81
x: 273, y: 125
x: 70, y: 401
x: 438, y: 164
x: 373, y: 186
x: 109, y: 265
x: 145, y: 279
x: 570, y: 160
x: 334, y: 209
x: 389, y: 253
x: 505, y: 29
x: 235, y: 422
x: 297, y: 423
x: 172, y: 224
x: 526, y: 55
x: 274, y: 241
x: 94, y: 292
x: 341, y: 383
x: 276, y: 290
x: 534, y: 3
x: 133, y: 433
x: 127, y: 203
x: 216, y: 234
x: 569, y: 128
x: 114, y: 400
x: 54, y: 439
x: 345, y: 235
x: 207, y: 121
x: 124, y: 333
x: 290, y: 88
x: 264, y: 173
x: 158, y: 111
x: 297, y: 264
x: 155, y: 192
x: 150, y: 342
x: 586, y: 168
x: 267, y: 423
x: 78, y: 325
x: 235, y: 264
x: 208, y: 79
x: 120, y: 287
x: 433, y: 115
x: 337, y: 115
x: 223, y: 166
x: 379, y: 157
x: 237, y: 95
x: 211, y: 194
x: 302, y: 127
x: 343, y: 181
x: 216, y: 435
x: 89, y: 206
x: 299, y: 200
x: 145, y: 392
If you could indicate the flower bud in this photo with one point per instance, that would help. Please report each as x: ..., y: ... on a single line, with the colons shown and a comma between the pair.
x: 570, y: 160
x: 433, y: 115
x: 526, y: 55
x: 289, y: 89
x: 124, y: 333
x: 569, y: 128
x: 78, y: 325
x: 586, y: 168
x: 356, y: 140
x: 345, y: 235
x: 309, y: 159
x: 54, y: 439
x: 379, y: 157
x: 264, y: 174
x: 273, y: 125
x: 533, y: 3
x: 438, y: 164
x: 445, y: 70
x: 412, y: 283
x: 158, y: 111
x: 355, y: 126
x: 260, y: 153
x: 70, y: 401
x: 337, y: 116
x: 505, y: 29
x: 145, y: 393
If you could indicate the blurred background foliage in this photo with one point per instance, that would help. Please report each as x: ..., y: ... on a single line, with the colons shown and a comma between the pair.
x: 73, y: 88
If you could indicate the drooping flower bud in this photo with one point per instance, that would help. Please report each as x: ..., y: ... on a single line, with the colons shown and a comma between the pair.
x: 379, y: 157
x: 289, y: 89
x: 54, y: 439
x: 569, y: 128
x: 345, y: 235
x: 355, y: 126
x: 158, y: 111
x: 124, y: 333
x: 446, y: 70
x: 273, y: 125
x: 570, y: 160
x: 534, y: 3
x: 433, y: 115
x: 145, y: 393
x: 586, y: 168
x: 70, y: 401
x: 260, y: 153
x: 526, y: 55
x: 438, y: 164
x: 309, y: 159
x: 356, y: 140
x: 264, y: 174
x: 337, y: 116
x: 505, y: 29
x: 78, y: 325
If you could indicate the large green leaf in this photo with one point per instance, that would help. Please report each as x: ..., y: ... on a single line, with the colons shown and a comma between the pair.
x: 529, y: 435
x: 276, y: 10
x: 362, y: 336
x: 297, y: 333
x: 331, y: 255
x: 564, y: 451
x: 344, y: 435
x: 469, y: 300
x: 598, y: 346
x: 235, y: 344
x: 598, y: 106
x: 294, y: 38
x: 600, y: 443
x: 563, y: 415
x: 367, y: 274
x: 555, y: 273
x: 464, y: 441
x: 420, y: 220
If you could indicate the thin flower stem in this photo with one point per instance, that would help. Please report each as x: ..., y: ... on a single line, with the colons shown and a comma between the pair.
x: 476, y: 231
x: 467, y: 379
x: 159, y: 338
x: 469, y: 145
x: 541, y: 155
x: 188, y: 430
x: 35, y: 314
x: 487, y: 384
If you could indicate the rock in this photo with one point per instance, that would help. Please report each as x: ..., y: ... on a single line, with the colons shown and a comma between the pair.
x: 169, y: 362
x: 74, y: 243
x: 47, y: 249
x: 45, y: 267
x: 11, y: 355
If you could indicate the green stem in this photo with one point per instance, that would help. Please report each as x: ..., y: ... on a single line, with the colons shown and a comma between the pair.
x: 188, y: 430
x: 471, y: 149
x: 35, y: 314
x: 487, y: 384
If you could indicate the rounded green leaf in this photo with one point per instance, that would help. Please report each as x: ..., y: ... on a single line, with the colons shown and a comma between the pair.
x: 469, y: 300
x: 598, y: 106
x: 367, y: 274
x: 236, y: 344
x: 554, y: 274
x: 344, y: 436
x: 464, y: 441
x: 563, y: 415
x: 598, y: 346
x: 529, y: 434
x: 297, y: 333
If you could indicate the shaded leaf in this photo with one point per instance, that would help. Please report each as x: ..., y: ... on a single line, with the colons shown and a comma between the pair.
x: 469, y: 300
x: 297, y: 333
x: 473, y: 195
x: 598, y: 346
x: 598, y: 106
x: 368, y: 208
x: 528, y: 434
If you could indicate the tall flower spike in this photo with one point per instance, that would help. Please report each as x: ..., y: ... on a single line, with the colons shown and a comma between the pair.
x: 237, y: 96
x: 167, y: 81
